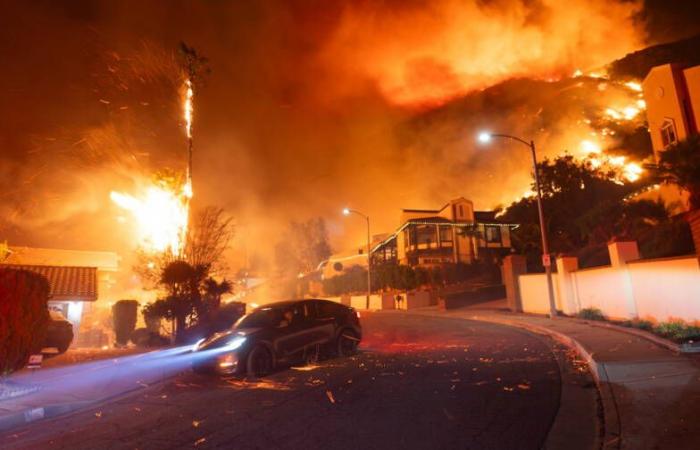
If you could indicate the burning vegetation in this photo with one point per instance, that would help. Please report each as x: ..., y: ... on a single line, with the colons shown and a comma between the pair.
x: 364, y: 103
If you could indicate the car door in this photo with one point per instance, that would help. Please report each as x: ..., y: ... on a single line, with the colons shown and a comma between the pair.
x: 298, y: 334
x: 326, y: 320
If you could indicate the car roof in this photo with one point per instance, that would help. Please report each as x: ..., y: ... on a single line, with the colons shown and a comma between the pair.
x: 295, y: 302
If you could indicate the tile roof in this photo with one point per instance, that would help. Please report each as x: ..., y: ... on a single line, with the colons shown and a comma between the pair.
x: 65, y: 283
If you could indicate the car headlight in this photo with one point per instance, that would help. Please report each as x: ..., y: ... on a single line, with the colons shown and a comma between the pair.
x: 234, y: 343
x: 195, y: 347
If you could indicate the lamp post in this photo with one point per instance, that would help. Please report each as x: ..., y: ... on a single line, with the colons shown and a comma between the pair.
x: 347, y: 212
x: 546, y: 259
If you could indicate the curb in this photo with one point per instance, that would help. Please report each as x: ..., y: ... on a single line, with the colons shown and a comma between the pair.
x: 611, y: 417
x: 612, y: 427
x: 670, y: 345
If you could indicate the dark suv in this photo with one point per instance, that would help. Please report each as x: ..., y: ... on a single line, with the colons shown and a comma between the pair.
x: 280, y: 333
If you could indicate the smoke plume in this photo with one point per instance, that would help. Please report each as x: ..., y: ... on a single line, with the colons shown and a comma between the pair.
x: 310, y: 107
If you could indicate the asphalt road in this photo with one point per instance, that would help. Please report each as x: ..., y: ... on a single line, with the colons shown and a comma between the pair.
x: 418, y: 383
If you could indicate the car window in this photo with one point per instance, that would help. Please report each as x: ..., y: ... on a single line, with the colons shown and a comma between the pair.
x: 310, y: 310
x: 261, y: 318
x: 327, y: 309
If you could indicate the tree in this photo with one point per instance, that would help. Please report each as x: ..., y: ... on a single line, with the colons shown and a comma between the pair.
x: 585, y: 207
x: 680, y: 164
x: 209, y: 237
x: 191, y: 296
x: 207, y: 240
x: 194, y: 65
x: 213, y: 291
x: 302, y: 248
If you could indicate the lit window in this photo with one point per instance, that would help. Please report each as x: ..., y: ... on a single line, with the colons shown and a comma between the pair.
x: 493, y: 235
x: 668, y: 133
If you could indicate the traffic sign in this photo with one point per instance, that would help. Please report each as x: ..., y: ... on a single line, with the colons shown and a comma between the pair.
x: 546, y: 260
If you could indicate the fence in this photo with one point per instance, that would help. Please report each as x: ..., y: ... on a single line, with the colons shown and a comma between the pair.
x: 658, y: 289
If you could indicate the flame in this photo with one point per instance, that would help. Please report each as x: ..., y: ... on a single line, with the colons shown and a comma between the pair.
x: 589, y: 147
x: 634, y: 86
x: 161, y: 215
x: 632, y: 171
x: 189, y: 93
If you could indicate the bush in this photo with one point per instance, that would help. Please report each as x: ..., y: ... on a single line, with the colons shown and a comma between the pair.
x: 124, y: 320
x: 678, y: 330
x: 641, y: 324
x: 591, y: 314
x: 24, y: 317
x: 143, y: 337
x: 59, y: 333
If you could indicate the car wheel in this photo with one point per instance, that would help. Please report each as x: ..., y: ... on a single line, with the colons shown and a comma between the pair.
x: 259, y: 362
x: 347, y: 343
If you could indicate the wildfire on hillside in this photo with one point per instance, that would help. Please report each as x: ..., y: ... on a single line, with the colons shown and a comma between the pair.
x: 593, y: 148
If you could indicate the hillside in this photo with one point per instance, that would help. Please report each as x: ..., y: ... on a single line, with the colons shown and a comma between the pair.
x: 636, y: 65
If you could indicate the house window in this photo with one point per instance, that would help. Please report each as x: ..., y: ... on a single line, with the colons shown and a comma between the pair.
x: 445, y: 235
x: 668, y: 133
x: 425, y: 236
x: 461, y: 211
x: 493, y: 235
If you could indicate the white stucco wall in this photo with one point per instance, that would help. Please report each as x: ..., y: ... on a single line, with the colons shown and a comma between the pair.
x: 533, y: 291
x: 601, y: 288
x: 659, y: 290
x: 667, y: 288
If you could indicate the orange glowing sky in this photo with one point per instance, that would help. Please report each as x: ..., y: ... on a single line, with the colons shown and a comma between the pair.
x: 310, y: 105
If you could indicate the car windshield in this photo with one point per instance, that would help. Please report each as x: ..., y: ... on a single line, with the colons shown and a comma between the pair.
x: 261, y: 318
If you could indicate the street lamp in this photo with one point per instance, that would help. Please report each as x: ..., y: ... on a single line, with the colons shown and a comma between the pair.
x: 485, y: 137
x: 347, y: 212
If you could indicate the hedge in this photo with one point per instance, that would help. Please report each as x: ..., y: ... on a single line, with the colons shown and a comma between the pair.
x: 24, y: 317
x: 124, y: 320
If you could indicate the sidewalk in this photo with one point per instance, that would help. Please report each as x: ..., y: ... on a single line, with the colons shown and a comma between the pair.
x: 650, y: 395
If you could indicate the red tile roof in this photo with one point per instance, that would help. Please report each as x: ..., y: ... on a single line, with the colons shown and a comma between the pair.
x: 66, y: 283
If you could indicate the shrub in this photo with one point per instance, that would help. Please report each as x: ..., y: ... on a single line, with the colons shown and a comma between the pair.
x: 143, y: 337
x: 124, y: 320
x: 677, y: 330
x: 24, y: 317
x: 591, y: 314
x: 641, y: 324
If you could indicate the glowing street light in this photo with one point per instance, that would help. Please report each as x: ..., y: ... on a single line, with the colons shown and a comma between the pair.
x: 347, y: 212
x: 485, y: 137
